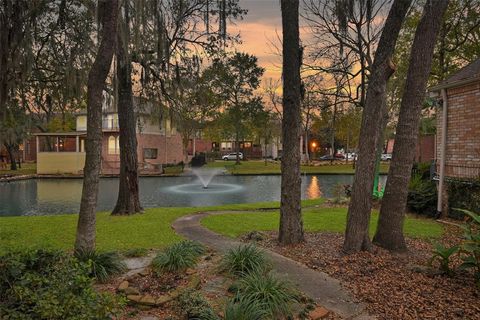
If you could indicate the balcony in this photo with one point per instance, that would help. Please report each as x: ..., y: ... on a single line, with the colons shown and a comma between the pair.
x: 110, y: 125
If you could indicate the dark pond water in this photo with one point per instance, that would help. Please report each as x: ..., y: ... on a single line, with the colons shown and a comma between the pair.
x: 58, y: 196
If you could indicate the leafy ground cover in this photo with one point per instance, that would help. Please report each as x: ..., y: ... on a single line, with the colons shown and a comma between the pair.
x: 273, y: 167
x: 393, y: 287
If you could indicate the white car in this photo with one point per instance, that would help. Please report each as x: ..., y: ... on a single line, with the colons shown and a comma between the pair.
x: 232, y: 156
x: 386, y: 157
x: 351, y: 156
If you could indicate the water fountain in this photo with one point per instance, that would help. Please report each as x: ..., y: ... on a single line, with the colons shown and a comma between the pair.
x: 203, y: 183
x: 206, y: 175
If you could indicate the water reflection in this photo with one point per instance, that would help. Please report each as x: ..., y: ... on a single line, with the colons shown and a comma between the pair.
x: 313, y: 189
x: 58, y: 196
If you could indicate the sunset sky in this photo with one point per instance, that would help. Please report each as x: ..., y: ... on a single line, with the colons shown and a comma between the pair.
x: 261, y: 28
x: 258, y: 29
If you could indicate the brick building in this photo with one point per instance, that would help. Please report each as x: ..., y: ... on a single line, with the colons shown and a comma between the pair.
x: 159, y: 143
x: 458, y: 126
x: 424, y: 150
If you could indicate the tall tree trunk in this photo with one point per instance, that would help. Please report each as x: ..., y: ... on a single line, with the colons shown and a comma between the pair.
x: 358, y: 218
x: 237, y: 147
x: 307, y: 153
x: 85, y: 239
x: 291, y: 223
x: 332, y: 133
x: 11, y: 155
x: 390, y: 225
x: 128, y: 201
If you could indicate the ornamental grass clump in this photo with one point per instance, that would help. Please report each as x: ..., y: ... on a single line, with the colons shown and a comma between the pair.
x: 245, y: 310
x: 245, y: 259
x: 178, y: 257
x: 103, y: 265
x: 266, y: 292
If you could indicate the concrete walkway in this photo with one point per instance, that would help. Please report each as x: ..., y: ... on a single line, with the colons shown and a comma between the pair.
x: 325, y: 290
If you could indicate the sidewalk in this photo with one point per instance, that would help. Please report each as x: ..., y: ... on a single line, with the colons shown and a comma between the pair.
x: 325, y: 290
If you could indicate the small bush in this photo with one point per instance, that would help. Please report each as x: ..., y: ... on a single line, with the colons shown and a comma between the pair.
x: 269, y: 293
x: 464, y: 195
x: 178, y: 257
x: 242, y: 310
x: 422, y: 195
x: 194, y: 306
x: 443, y: 255
x: 339, y: 192
x: 244, y: 259
x: 470, y: 247
x: 50, y: 285
x: 103, y: 265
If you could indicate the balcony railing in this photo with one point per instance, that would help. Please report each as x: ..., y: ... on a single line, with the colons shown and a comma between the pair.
x: 110, y: 124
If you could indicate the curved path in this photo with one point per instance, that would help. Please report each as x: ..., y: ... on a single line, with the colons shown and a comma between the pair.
x: 325, y: 290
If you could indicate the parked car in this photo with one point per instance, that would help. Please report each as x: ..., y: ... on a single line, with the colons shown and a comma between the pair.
x: 351, y: 156
x: 386, y: 157
x: 232, y: 156
x: 339, y: 156
x: 327, y: 158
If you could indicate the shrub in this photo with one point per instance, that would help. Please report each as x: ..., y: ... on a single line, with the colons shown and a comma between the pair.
x: 274, y: 296
x: 194, y: 306
x: 470, y: 247
x: 443, y: 255
x: 178, y: 257
x: 243, y: 260
x: 464, y: 195
x: 422, y: 195
x: 103, y: 265
x: 50, y: 285
x: 242, y: 310
x: 339, y: 192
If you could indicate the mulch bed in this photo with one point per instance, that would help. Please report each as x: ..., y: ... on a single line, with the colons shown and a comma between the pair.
x: 392, y: 286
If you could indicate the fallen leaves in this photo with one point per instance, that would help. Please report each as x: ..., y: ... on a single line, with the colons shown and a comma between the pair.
x: 393, y: 286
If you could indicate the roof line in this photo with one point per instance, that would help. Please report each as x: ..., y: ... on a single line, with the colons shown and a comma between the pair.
x: 453, y: 84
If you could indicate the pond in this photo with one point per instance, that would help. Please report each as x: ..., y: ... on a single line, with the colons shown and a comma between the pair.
x: 59, y: 196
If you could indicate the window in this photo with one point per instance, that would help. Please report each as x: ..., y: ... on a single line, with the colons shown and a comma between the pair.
x: 67, y: 144
x: 149, y: 153
x: 226, y: 145
x: 113, y: 145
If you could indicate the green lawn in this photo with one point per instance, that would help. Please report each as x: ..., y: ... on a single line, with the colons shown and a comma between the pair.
x: 27, y: 168
x: 152, y: 230
x: 315, y: 219
x: 259, y: 167
x: 149, y: 230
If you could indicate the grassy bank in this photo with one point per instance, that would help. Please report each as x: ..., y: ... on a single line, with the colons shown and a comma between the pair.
x: 315, y: 219
x: 259, y: 167
x: 149, y: 230
x: 27, y: 168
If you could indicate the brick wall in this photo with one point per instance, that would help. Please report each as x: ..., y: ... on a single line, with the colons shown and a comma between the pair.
x: 172, y: 153
x: 201, y: 145
x: 463, y: 132
x: 425, y: 149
